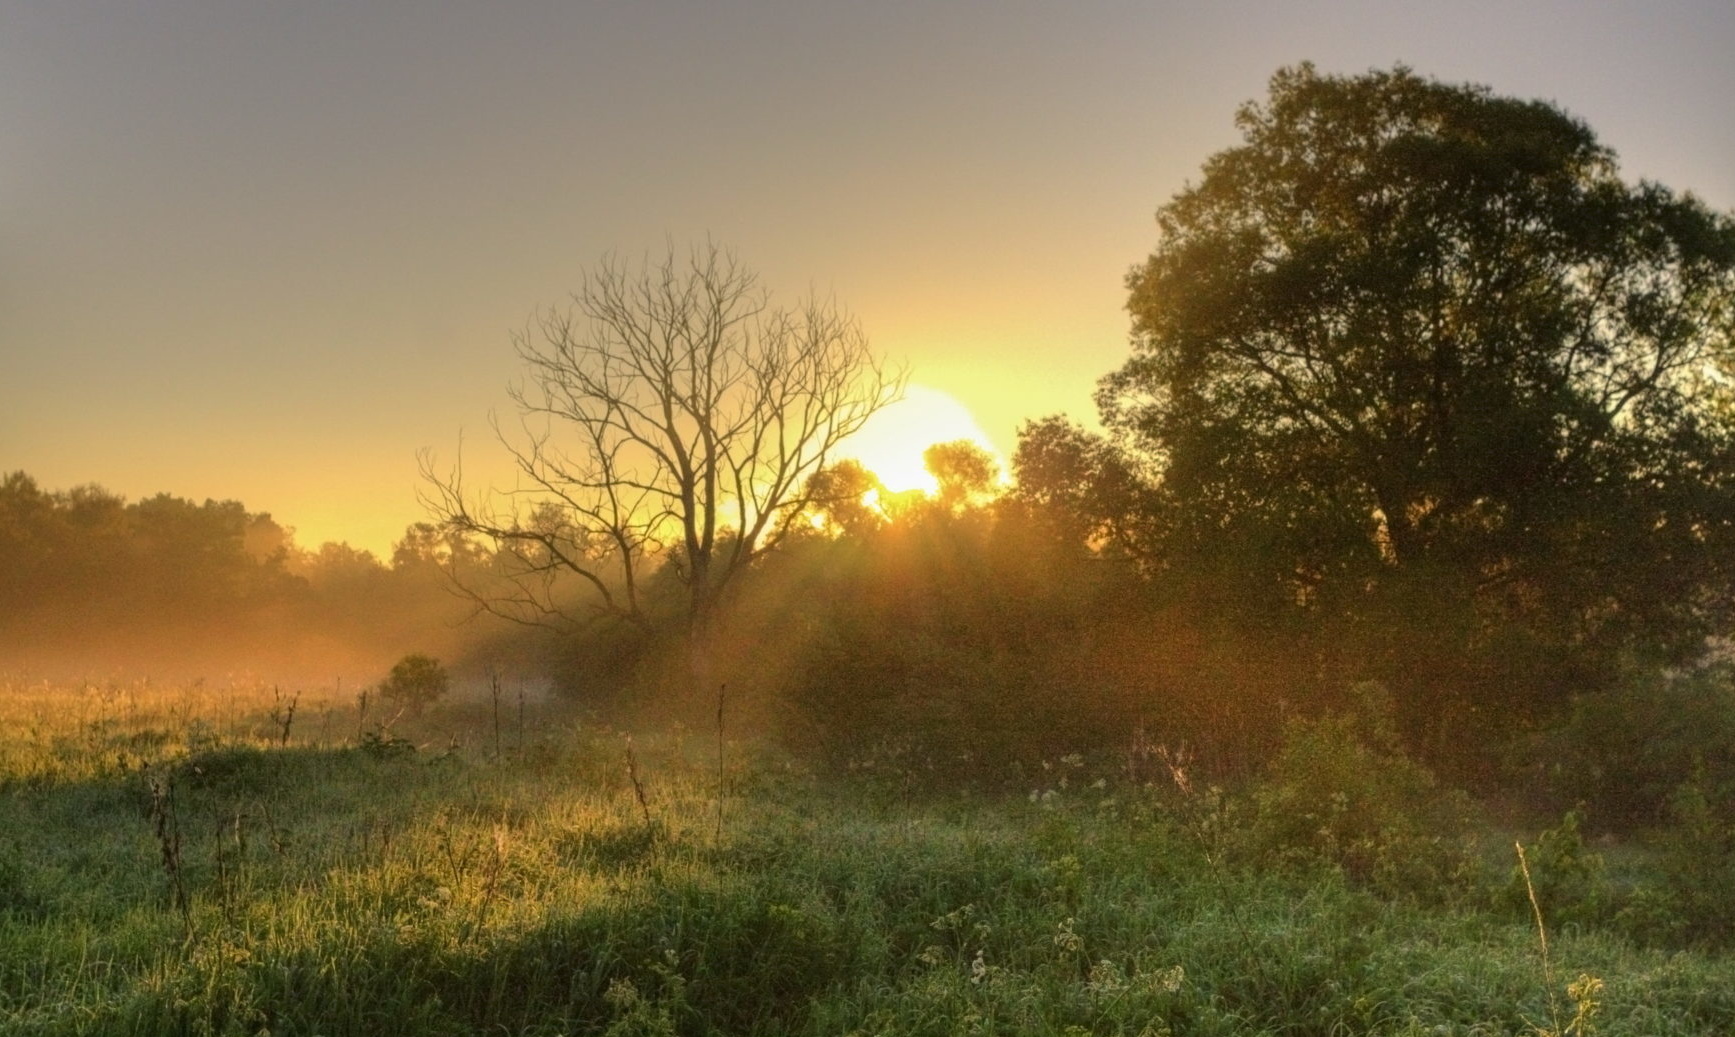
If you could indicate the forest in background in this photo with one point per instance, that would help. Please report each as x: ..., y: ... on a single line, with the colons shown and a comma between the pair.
x: 98, y: 587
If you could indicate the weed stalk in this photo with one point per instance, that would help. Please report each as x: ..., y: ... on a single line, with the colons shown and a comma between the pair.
x: 638, y: 786
x: 1584, y: 991
x: 168, y: 832
x: 491, y: 880
x: 283, y: 713
x: 722, y: 697
x: 494, y: 695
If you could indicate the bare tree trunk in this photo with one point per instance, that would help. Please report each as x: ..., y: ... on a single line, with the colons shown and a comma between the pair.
x: 701, y: 645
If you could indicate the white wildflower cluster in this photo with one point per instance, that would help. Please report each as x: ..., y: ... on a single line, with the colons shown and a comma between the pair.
x: 980, y: 971
x: 954, y: 920
x: 1107, y: 981
x: 1169, y: 980
x: 1067, y: 939
x: 1070, y: 762
x: 622, y: 994
x: 961, y: 921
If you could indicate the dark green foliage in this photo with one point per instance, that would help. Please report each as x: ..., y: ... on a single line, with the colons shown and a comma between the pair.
x: 1084, y: 491
x: 1697, y: 892
x: 1627, y: 750
x: 1568, y: 880
x: 1341, y: 792
x: 416, y: 682
x: 180, y: 589
x: 959, y: 644
x: 381, y: 744
x: 89, y: 547
x: 1415, y: 367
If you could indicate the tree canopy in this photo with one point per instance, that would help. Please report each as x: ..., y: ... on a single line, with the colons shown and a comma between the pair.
x: 1413, y: 345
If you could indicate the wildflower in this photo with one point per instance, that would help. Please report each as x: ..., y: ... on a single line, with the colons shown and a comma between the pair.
x: 1169, y: 980
x: 1066, y: 939
x: 1106, y: 979
x: 621, y: 994
x: 979, y: 969
x: 954, y: 919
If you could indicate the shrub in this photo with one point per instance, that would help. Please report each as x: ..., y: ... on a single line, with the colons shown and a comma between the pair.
x: 1568, y: 879
x: 1341, y: 792
x: 1625, y: 751
x: 416, y: 682
x: 1698, y: 861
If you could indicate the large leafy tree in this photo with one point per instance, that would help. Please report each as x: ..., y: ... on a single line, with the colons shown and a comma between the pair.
x: 1415, y: 351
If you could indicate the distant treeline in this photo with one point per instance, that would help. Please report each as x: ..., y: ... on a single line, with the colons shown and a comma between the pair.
x: 164, y: 586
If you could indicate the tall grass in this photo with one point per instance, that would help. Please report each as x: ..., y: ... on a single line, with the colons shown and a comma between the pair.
x: 456, y: 889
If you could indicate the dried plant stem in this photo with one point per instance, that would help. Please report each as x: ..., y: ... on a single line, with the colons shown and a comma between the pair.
x: 494, y: 694
x: 168, y: 832
x: 722, y: 696
x: 1542, y: 938
x: 638, y: 786
x: 283, y: 712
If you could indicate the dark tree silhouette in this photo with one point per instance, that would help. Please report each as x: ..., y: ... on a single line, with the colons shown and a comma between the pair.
x: 416, y: 682
x: 673, y: 414
x: 842, y: 495
x: 1417, y: 337
x: 964, y: 471
x: 1082, y: 487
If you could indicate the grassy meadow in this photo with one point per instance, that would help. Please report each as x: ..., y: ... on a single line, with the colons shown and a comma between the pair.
x: 234, y: 860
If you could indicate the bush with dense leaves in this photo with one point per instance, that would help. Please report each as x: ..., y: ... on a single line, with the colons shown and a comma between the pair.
x: 416, y: 682
x: 1341, y: 792
x: 1624, y: 752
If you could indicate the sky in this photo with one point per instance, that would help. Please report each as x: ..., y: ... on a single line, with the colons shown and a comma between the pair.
x: 269, y: 251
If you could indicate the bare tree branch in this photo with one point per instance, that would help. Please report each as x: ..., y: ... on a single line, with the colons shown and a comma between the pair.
x: 671, y: 413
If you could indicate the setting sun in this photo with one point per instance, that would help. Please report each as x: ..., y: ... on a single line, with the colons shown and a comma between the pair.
x: 890, y: 445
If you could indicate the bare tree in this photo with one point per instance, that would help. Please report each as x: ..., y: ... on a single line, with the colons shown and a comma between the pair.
x: 671, y: 414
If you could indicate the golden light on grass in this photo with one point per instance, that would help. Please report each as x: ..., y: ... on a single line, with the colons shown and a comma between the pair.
x: 890, y: 445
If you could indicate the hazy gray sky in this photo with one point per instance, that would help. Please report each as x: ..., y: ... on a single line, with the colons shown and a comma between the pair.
x: 267, y: 250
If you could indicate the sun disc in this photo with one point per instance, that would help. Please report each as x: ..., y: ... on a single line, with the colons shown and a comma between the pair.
x: 891, y: 443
